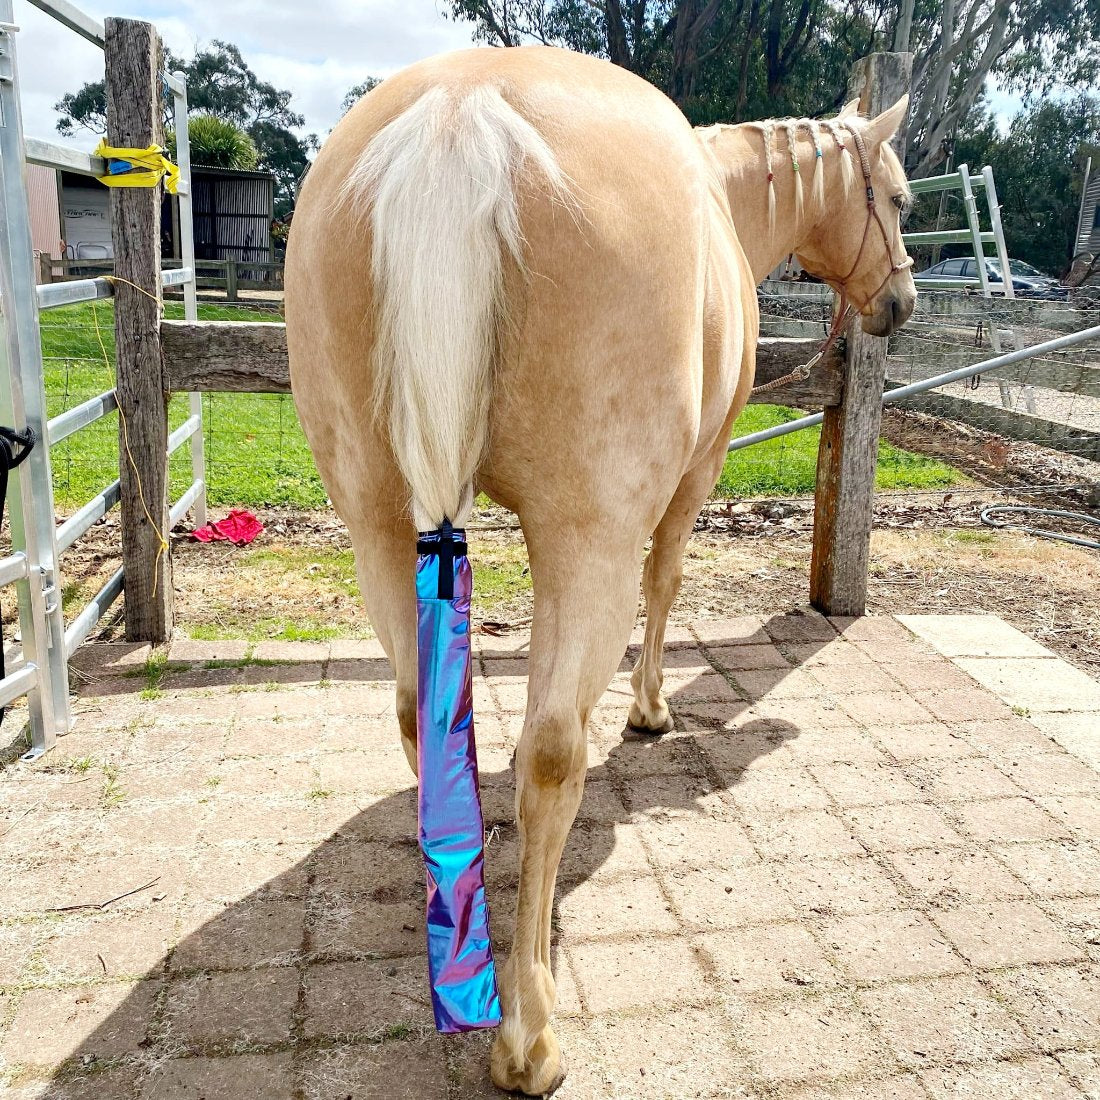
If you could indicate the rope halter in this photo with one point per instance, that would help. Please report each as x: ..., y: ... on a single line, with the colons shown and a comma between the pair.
x: 845, y: 311
x: 872, y: 215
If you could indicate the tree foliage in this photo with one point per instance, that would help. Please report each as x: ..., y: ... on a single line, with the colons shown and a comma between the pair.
x: 1029, y: 45
x: 220, y: 84
x: 356, y: 93
x: 1038, y: 174
x: 217, y: 143
x: 84, y: 109
x: 735, y: 59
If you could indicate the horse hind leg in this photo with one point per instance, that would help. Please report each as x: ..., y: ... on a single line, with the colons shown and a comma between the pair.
x: 661, y: 579
x: 574, y: 653
x: 385, y: 562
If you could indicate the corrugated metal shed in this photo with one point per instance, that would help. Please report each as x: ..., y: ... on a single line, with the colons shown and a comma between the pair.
x: 232, y: 210
x: 233, y: 213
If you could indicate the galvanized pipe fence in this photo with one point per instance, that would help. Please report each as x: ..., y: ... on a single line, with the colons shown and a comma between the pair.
x: 34, y: 566
x: 900, y: 393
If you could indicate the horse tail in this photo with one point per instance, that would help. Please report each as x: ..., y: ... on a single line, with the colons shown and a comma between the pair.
x: 440, y: 183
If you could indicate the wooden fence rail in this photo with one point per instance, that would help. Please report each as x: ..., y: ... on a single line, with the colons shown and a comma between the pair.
x: 246, y: 357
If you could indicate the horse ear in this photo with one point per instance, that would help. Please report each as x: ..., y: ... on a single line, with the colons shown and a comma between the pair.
x: 849, y: 108
x: 883, y: 128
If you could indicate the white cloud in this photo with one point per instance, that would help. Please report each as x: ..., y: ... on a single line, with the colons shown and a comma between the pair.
x: 318, y: 50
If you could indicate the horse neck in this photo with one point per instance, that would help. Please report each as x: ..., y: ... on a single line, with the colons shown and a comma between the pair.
x: 740, y: 151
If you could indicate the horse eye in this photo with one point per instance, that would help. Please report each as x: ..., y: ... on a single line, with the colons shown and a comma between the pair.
x: 899, y: 201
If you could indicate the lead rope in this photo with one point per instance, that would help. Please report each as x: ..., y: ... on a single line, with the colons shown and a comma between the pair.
x: 800, y: 374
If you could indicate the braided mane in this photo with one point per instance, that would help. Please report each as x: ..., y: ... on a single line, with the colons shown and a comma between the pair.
x: 814, y: 129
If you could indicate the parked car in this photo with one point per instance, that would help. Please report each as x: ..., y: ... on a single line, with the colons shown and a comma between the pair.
x: 1026, y: 280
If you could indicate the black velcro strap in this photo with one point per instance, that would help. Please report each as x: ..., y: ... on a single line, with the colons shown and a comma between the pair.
x: 446, y: 543
x: 423, y: 546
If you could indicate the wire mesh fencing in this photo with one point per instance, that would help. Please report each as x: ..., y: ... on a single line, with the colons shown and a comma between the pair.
x: 256, y: 453
x: 1035, y: 423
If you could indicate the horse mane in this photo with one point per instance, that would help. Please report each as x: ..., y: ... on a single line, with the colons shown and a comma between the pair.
x: 820, y: 132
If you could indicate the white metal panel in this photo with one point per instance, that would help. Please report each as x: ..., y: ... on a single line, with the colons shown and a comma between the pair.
x: 72, y: 17
x: 87, y: 222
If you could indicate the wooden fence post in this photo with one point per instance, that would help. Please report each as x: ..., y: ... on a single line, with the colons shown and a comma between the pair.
x: 846, y: 460
x: 133, y: 77
x: 230, y: 280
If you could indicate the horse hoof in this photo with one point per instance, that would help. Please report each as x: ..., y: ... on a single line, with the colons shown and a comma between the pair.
x: 638, y: 726
x: 559, y: 1080
x: 542, y: 1073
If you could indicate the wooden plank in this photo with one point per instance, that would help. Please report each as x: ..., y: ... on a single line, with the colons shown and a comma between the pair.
x: 246, y: 357
x: 844, y: 494
x: 777, y: 356
x: 1007, y: 422
x: 225, y: 356
x: 132, y: 65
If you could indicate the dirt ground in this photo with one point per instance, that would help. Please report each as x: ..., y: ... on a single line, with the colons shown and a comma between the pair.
x: 930, y: 555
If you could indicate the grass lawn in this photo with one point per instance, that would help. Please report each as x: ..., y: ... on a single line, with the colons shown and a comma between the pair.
x: 307, y: 591
x: 787, y: 466
x: 256, y: 453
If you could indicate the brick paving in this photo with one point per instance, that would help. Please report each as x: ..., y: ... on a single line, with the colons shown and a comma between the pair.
x: 865, y: 864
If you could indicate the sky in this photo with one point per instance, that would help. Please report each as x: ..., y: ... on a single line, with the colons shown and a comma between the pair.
x: 320, y: 55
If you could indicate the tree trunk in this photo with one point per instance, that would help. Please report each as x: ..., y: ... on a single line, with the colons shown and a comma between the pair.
x: 903, y: 28
x: 618, y: 49
x: 746, y: 55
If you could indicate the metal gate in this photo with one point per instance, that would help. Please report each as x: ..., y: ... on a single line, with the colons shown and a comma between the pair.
x: 40, y: 671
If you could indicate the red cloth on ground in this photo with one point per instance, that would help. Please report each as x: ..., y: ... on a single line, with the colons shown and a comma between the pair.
x: 239, y: 527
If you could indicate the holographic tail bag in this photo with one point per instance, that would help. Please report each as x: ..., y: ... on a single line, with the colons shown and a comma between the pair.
x: 452, y: 833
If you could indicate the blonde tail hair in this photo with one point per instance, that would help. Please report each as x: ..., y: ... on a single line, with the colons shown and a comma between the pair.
x: 439, y: 181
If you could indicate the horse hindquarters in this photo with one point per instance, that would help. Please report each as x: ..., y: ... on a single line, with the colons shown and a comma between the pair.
x: 593, y: 412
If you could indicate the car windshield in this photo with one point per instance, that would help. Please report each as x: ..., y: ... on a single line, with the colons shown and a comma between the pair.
x: 1017, y: 267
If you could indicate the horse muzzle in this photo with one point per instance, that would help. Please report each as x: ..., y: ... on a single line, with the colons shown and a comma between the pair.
x: 890, y: 312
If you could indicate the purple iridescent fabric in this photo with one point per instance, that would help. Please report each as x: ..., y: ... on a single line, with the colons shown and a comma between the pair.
x: 452, y: 833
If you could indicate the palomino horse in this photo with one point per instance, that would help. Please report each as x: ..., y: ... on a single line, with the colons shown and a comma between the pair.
x: 521, y: 271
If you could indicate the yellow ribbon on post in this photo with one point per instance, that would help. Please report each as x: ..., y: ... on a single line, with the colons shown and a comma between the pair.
x: 137, y: 167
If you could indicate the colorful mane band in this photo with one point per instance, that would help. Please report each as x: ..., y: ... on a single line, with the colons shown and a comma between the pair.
x: 452, y: 832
